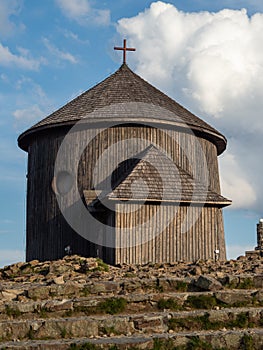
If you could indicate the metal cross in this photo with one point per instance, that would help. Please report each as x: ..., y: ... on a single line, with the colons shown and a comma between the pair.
x: 124, y: 49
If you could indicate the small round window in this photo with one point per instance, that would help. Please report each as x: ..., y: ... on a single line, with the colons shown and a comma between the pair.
x: 64, y: 182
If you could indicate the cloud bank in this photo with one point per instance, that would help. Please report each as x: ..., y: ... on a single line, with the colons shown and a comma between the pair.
x: 212, y: 63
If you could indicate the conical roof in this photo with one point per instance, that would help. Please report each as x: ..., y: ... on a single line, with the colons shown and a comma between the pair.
x: 126, y: 97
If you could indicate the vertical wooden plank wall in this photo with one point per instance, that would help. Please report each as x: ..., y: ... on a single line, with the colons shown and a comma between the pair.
x: 170, y: 245
x: 47, y: 231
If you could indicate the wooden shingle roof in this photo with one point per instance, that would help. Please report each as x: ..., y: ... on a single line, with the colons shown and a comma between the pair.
x: 126, y: 97
x: 154, y: 177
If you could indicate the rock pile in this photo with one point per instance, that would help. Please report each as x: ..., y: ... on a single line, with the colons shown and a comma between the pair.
x: 76, y: 268
x: 82, y: 303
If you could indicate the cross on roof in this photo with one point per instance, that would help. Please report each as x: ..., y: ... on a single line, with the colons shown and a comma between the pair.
x: 124, y: 49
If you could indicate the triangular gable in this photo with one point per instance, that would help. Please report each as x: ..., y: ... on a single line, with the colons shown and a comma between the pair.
x: 153, y: 176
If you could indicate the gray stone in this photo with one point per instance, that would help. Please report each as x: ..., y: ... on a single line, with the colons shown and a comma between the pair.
x: 70, y: 288
x: 38, y: 293
x: 151, y: 323
x: 208, y: 283
x: 118, y: 325
x: 25, y: 307
x: 232, y: 297
x: 57, y: 305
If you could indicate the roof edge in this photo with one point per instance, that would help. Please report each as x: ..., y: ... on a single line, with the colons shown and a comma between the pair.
x: 218, y: 139
x: 225, y: 203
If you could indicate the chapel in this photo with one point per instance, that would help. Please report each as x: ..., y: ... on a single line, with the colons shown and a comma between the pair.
x: 126, y: 174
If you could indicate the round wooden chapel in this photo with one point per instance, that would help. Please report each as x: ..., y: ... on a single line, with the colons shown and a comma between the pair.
x: 149, y: 167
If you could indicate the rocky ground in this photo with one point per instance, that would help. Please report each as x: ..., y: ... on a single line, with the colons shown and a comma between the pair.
x: 77, y: 268
x: 82, y: 303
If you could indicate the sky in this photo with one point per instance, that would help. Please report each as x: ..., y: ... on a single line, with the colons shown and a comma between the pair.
x: 207, y: 55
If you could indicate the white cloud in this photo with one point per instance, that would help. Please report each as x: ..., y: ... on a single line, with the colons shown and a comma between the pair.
x: 61, y: 55
x: 237, y: 187
x: 8, y: 8
x: 32, y: 104
x: 8, y: 59
x: 82, y: 12
x: 212, y: 63
x: 74, y: 8
x: 73, y: 36
x: 8, y: 257
x: 28, y: 114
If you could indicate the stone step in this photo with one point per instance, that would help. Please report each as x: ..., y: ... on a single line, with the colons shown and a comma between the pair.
x: 129, y: 324
x: 231, y: 339
x: 84, y: 287
x: 131, y: 303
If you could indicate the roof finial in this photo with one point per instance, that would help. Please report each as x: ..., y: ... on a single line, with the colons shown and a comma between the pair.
x: 124, y: 49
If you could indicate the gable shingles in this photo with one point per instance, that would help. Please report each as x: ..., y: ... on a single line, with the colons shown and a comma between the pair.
x: 152, y: 178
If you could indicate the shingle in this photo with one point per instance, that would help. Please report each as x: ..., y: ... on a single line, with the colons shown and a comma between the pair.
x: 154, y: 177
x: 127, y: 97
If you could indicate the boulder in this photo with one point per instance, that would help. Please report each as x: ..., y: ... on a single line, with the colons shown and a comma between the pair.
x: 208, y: 283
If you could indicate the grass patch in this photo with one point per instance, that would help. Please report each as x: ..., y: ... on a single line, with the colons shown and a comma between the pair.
x: 170, y: 304
x: 196, y: 343
x: 63, y: 332
x: 85, y: 291
x: 241, y: 321
x: 112, y: 306
x: 241, y: 303
x: 87, y: 310
x: 246, y: 283
x: 68, y: 313
x: 247, y: 342
x: 130, y: 274
x: 109, y: 306
x: 201, y: 301
x: 181, y: 286
x: 203, y: 323
x: 193, y: 323
x: 102, y: 266
x: 12, y: 312
x: 43, y: 312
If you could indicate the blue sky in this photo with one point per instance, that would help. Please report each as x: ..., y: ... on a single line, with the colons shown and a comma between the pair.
x: 207, y: 58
